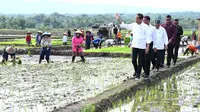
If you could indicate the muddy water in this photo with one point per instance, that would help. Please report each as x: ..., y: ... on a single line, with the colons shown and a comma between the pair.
x: 31, y: 87
x: 181, y: 93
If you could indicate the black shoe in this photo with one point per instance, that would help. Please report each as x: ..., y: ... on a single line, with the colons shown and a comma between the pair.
x: 145, y: 76
x: 168, y: 66
x: 161, y: 65
x: 174, y: 63
x: 48, y: 61
x: 157, y: 70
x: 134, y: 74
x: 153, y: 68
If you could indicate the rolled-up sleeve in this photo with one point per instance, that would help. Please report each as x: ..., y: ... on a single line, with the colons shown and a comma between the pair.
x: 126, y: 26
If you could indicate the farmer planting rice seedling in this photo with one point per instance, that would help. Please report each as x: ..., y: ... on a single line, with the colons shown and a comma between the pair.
x: 77, y: 44
x: 9, y: 51
x: 88, y: 39
x: 38, y: 38
x: 28, y: 38
x: 64, y: 39
x: 46, y: 47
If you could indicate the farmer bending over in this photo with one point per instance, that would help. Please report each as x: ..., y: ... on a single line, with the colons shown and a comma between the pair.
x: 77, y: 44
x: 9, y: 51
x: 192, y: 49
x: 98, y: 41
x: 185, y: 40
x: 46, y: 46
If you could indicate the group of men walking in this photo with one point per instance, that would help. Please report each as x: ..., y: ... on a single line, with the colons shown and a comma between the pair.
x: 149, y: 43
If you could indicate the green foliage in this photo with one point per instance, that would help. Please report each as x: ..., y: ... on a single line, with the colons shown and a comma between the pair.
x: 126, y: 40
x: 112, y: 49
x: 89, y: 108
x: 22, y: 42
x: 56, y: 20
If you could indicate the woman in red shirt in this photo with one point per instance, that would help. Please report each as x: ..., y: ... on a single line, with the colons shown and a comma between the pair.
x: 28, y: 38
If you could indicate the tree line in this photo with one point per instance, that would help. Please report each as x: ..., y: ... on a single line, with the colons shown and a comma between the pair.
x: 66, y: 21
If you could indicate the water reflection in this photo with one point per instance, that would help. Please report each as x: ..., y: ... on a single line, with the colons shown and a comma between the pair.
x: 180, y: 93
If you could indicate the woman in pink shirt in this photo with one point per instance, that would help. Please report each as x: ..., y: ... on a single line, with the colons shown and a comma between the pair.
x: 77, y: 44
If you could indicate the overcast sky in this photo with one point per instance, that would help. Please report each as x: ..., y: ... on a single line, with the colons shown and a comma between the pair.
x: 96, y: 6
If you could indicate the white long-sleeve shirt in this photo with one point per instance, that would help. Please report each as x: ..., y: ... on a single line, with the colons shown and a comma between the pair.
x: 152, y: 34
x: 64, y: 39
x: 184, y: 39
x: 161, y: 38
x: 140, y: 34
x: 46, y: 42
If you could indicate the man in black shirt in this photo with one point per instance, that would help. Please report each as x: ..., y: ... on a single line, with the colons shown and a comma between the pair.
x: 177, y: 40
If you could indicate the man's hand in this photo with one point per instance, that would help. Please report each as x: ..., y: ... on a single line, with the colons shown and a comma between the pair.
x: 166, y: 47
x: 147, y: 50
x: 170, y: 41
x: 118, y: 18
x: 155, y: 50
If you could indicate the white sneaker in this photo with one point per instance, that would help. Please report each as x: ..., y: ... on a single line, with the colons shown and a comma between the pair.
x: 137, y: 78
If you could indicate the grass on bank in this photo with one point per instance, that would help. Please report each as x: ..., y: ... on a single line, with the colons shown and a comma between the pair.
x: 57, y: 42
x: 117, y: 49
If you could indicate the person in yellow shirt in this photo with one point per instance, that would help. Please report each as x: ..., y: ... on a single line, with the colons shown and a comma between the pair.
x: 119, y: 37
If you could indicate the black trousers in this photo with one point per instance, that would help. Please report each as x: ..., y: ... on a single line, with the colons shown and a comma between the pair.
x: 157, y: 58
x: 177, y: 45
x: 138, y: 60
x: 170, y: 54
x: 148, y: 58
x: 87, y: 45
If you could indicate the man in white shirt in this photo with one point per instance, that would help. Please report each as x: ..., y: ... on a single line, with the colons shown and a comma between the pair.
x: 160, y: 45
x: 140, y: 42
x: 152, y: 37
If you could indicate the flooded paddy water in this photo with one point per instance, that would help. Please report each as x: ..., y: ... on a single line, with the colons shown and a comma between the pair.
x: 33, y: 87
x: 180, y: 93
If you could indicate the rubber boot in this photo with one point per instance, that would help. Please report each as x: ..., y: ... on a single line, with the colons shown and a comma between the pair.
x: 83, y: 59
x: 73, y: 59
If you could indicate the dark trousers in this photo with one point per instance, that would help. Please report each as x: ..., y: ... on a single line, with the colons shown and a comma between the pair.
x: 162, y: 61
x: 45, y: 52
x: 148, y: 60
x: 157, y: 58
x: 170, y: 54
x: 177, y: 45
x: 87, y: 45
x: 5, y: 55
x: 138, y: 60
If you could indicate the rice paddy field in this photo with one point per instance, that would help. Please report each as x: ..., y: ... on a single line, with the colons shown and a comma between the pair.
x: 33, y: 87
x: 180, y: 93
